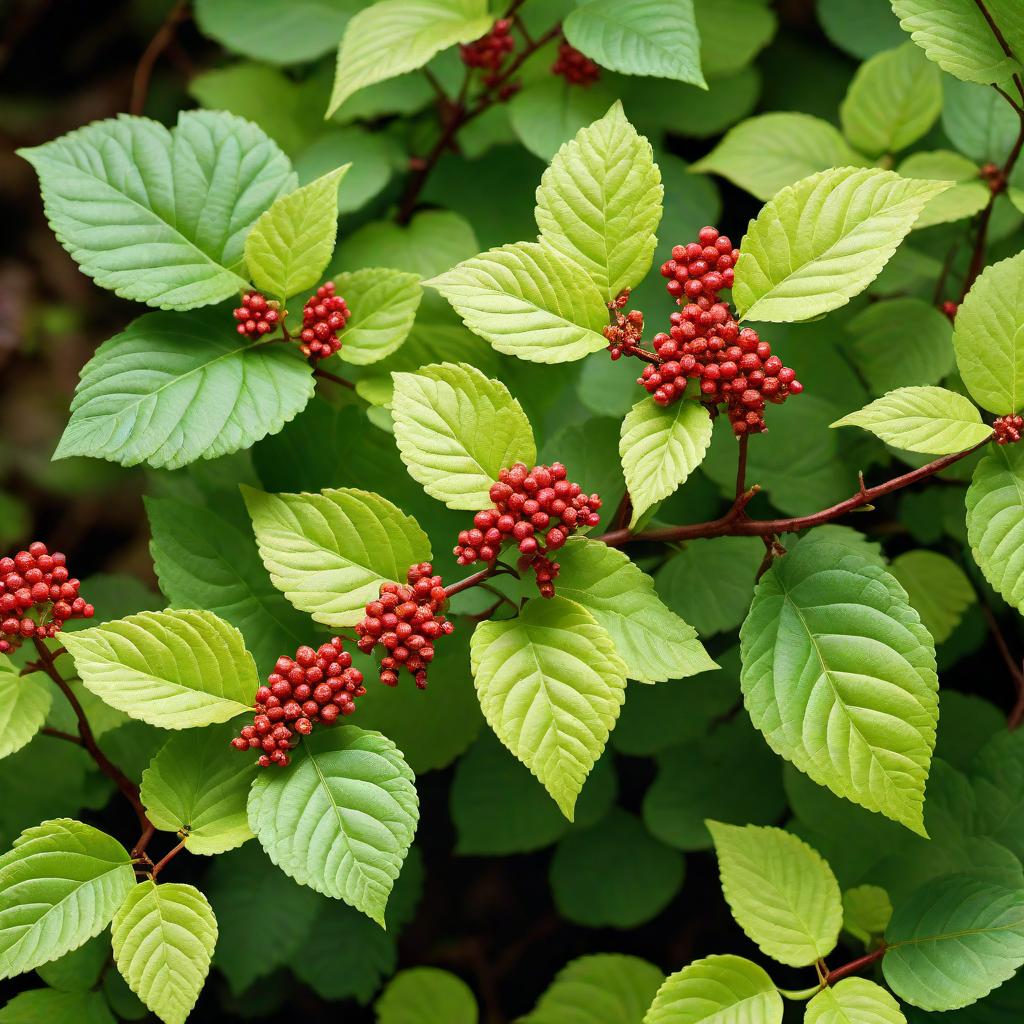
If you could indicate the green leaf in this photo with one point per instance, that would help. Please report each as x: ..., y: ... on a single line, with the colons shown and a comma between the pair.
x: 954, y: 941
x: 995, y: 520
x: 579, y: 876
x: 732, y: 562
x: 604, y: 988
x: 956, y: 35
x: 373, y: 156
x: 599, y: 203
x: 342, y: 818
x: 171, y: 389
x: 172, y: 669
x: 654, y: 643
x: 765, y: 153
x: 717, y: 989
x: 862, y: 30
x: 205, y: 560
x: 383, y: 304
x: 197, y: 786
x: 929, y: 420
x: 551, y: 685
x: 24, y: 704
x: 839, y: 676
x: 937, y: 587
x: 854, y: 1001
x: 546, y: 114
x: 732, y: 33
x: 644, y: 37
x: 894, y: 98
x: 866, y: 912
x: 79, y: 970
x: 456, y: 429
x: 426, y: 995
x: 660, y: 447
x: 394, y: 36
x: 970, y: 195
x: 780, y: 890
x: 59, y: 886
x: 328, y: 552
x: 989, y: 337
x: 161, y: 216
x: 788, y: 272
x: 44, y: 1004
x: 292, y: 242
x: 528, y: 301
x: 163, y: 939
x: 978, y: 121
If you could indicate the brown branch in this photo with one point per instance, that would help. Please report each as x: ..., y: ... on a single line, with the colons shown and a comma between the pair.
x: 334, y: 378
x: 1016, y: 715
x: 741, y: 466
x: 165, y: 860
x: 472, y: 581
x: 58, y: 735
x: 855, y: 965
x: 736, y: 524
x: 157, y: 45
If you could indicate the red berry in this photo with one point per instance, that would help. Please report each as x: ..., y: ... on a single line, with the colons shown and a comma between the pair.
x: 575, y: 67
x: 323, y: 317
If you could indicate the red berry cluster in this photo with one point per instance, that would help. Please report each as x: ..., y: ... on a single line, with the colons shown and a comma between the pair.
x: 323, y: 317
x: 702, y: 268
x: 528, y: 503
x: 256, y: 316
x: 37, y: 596
x: 575, y: 67
x: 406, y: 621
x: 624, y: 335
x: 490, y: 51
x: 1008, y: 429
x: 314, y: 686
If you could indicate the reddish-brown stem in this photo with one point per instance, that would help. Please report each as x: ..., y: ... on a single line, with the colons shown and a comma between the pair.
x: 1016, y: 715
x: 855, y: 965
x: 623, y: 512
x: 735, y: 523
x: 165, y: 860
x: 741, y: 466
x: 58, y: 735
x: 139, y: 849
x: 470, y: 581
x: 157, y: 45
x: 128, y: 788
x: 334, y: 378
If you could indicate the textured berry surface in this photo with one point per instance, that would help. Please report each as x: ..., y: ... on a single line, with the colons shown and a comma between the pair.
x: 37, y: 596
x: 406, y: 621
x: 256, y: 316
x: 538, y: 509
x: 1008, y: 429
x: 314, y: 686
x: 489, y: 51
x: 575, y: 67
x: 323, y: 318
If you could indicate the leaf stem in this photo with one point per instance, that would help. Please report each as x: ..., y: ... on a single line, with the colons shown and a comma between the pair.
x: 334, y: 378
x: 166, y: 859
x: 855, y: 965
x: 157, y: 45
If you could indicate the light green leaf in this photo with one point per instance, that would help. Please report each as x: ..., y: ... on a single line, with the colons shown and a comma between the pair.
x: 970, y: 195
x: 24, y: 704
x: 171, y: 389
x: 383, y: 304
x: 866, y: 912
x: 528, y: 301
x: 292, y: 242
x: 732, y: 33
x: 328, y: 552
x: 929, y: 420
x: 342, y: 818
x: 551, y: 685
x: 604, y: 988
x: 599, y: 203
x: 643, y: 37
x: 894, y: 98
x: 45, y: 1004
x: 172, y: 669
x: 854, y: 1001
x: 426, y: 995
x: 823, y: 240
x: 780, y: 890
x: 59, y: 886
x: 655, y: 644
x: 995, y: 520
x: 456, y: 429
x: 81, y: 969
x: 989, y: 337
x: 395, y: 36
x: 161, y: 216
x: 717, y: 990
x: 660, y: 447
x: 765, y: 153
x: 937, y: 587
x: 839, y: 676
x: 956, y: 35
x: 953, y: 941
x: 978, y: 121
x: 163, y: 938
x: 197, y: 786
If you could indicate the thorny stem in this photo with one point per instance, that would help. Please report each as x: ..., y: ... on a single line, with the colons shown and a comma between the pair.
x: 164, y: 35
